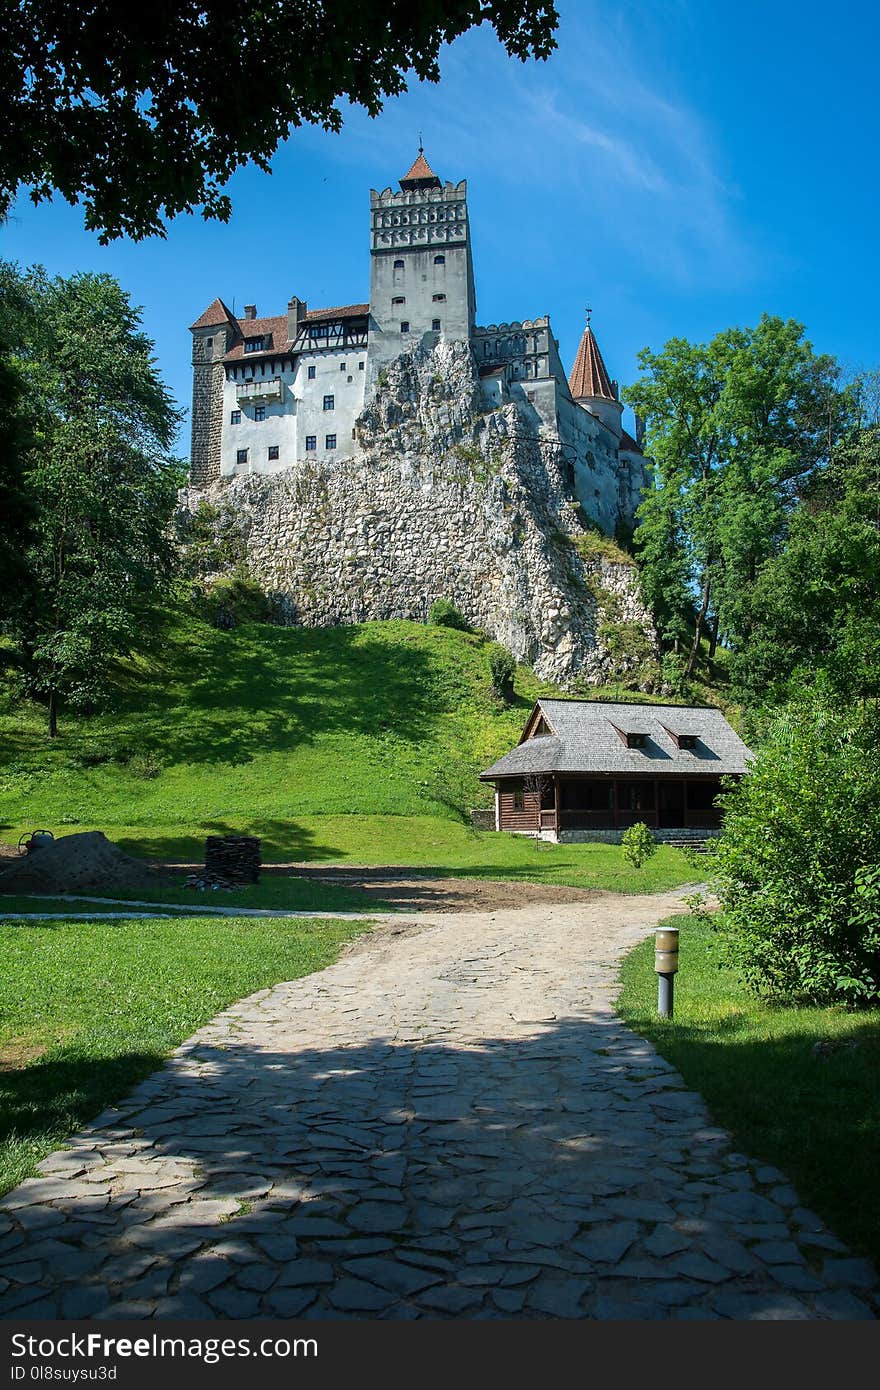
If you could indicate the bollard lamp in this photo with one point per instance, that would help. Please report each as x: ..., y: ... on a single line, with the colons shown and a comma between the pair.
x: 666, y: 967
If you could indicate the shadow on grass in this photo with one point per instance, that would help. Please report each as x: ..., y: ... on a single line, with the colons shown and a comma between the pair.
x: 422, y: 1156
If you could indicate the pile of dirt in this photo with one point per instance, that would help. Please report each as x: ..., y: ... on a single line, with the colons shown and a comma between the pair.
x: 85, y: 863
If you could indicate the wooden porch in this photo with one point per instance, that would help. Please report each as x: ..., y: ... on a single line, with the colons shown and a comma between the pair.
x: 609, y: 803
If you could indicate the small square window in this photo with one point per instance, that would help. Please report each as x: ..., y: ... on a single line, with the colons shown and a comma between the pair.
x: 399, y: 299
x: 342, y: 366
x: 311, y: 373
x: 404, y: 327
x: 360, y: 366
x: 235, y: 417
x: 635, y: 740
x: 241, y: 456
x: 435, y: 325
x: 439, y: 298
x: 259, y: 412
x: 329, y: 402
x: 518, y: 799
x: 209, y: 342
x: 311, y: 441
x: 273, y: 451
x: 687, y: 740
x: 530, y: 395
x: 330, y: 441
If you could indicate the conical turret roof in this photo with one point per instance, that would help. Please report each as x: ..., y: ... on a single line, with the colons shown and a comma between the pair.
x: 589, y: 375
x: 421, y: 175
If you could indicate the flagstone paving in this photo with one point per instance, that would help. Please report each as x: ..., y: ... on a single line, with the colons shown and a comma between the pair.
x: 449, y: 1122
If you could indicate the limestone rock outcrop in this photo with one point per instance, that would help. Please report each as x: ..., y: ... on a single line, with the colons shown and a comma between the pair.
x: 440, y: 498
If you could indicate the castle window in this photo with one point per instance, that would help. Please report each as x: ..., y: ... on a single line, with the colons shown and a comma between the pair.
x: 311, y: 441
x: 435, y: 325
x: 253, y: 344
x: 404, y: 326
x: 399, y: 299
x: 530, y: 395
x: 329, y: 402
x: 241, y: 456
x: 330, y: 441
x: 360, y: 366
x: 398, y: 265
x: 342, y: 366
x: 439, y: 298
x: 235, y: 417
x: 311, y: 373
x: 440, y: 260
x: 259, y: 412
x: 209, y: 342
x: 273, y: 451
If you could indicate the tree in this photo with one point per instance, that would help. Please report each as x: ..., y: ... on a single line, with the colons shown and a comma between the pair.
x: 735, y: 428
x: 638, y: 844
x: 145, y: 113
x: 99, y: 481
x: 796, y: 867
x: 16, y: 507
x: 503, y: 670
x: 815, y: 606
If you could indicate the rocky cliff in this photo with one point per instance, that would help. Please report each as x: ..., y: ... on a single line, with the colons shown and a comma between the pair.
x: 442, y: 499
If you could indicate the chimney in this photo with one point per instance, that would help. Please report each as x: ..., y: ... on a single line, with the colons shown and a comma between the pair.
x: 296, y: 312
x: 250, y: 311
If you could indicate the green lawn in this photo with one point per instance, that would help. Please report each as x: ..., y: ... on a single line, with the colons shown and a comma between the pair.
x: 353, y: 744
x: 87, y: 1009
x: 816, y: 1118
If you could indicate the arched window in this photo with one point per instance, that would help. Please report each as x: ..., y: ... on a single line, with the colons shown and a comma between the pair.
x: 440, y: 259
x: 399, y: 299
x: 398, y: 265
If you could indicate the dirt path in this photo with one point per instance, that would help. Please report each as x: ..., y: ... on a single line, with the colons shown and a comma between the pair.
x: 450, y: 1121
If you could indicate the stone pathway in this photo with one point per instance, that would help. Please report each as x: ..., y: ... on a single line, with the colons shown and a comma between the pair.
x: 449, y: 1122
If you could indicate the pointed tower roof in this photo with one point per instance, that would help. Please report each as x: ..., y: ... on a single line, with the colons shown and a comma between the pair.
x: 421, y: 175
x: 589, y: 375
x: 215, y: 313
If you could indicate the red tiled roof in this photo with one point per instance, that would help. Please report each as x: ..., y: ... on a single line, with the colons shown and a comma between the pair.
x: 215, y: 313
x: 274, y: 330
x: 628, y: 444
x: 344, y: 311
x: 420, y: 170
x: 589, y: 376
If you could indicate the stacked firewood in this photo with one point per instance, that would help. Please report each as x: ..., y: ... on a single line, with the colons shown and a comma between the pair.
x: 233, y: 858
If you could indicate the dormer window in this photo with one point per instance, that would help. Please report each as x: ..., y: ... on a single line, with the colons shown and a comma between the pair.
x: 635, y: 740
x: 254, y: 344
x: 687, y: 741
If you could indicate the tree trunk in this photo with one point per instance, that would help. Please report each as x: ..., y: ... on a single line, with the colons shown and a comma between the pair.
x: 53, y: 714
x: 698, y: 630
x: 713, y: 640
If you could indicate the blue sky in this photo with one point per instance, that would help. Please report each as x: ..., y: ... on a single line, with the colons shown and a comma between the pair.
x: 681, y: 165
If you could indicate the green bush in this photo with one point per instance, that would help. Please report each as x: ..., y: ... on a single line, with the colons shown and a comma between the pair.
x: 795, y: 869
x: 638, y: 844
x: 442, y: 613
x: 503, y: 669
x: 234, y: 598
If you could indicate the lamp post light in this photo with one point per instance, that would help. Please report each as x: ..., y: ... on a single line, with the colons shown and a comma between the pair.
x: 666, y: 966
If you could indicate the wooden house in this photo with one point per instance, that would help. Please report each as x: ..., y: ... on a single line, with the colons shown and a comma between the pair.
x: 587, y: 769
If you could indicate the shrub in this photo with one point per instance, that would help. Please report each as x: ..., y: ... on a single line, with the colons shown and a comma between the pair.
x: 233, y: 599
x: 503, y: 669
x: 638, y: 844
x: 144, y: 765
x: 442, y: 613
x: 795, y: 869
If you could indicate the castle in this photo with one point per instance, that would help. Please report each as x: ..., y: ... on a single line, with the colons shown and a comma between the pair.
x: 269, y: 393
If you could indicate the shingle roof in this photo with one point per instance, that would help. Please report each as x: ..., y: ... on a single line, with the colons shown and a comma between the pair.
x: 274, y: 330
x: 589, y: 375
x: 215, y: 313
x: 628, y: 444
x: 421, y: 172
x: 585, y: 738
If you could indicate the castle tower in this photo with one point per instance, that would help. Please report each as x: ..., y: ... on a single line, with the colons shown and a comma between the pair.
x: 421, y: 272
x: 591, y: 386
x: 212, y: 336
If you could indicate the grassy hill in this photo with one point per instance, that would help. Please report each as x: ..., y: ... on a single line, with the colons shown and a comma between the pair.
x: 358, y: 743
